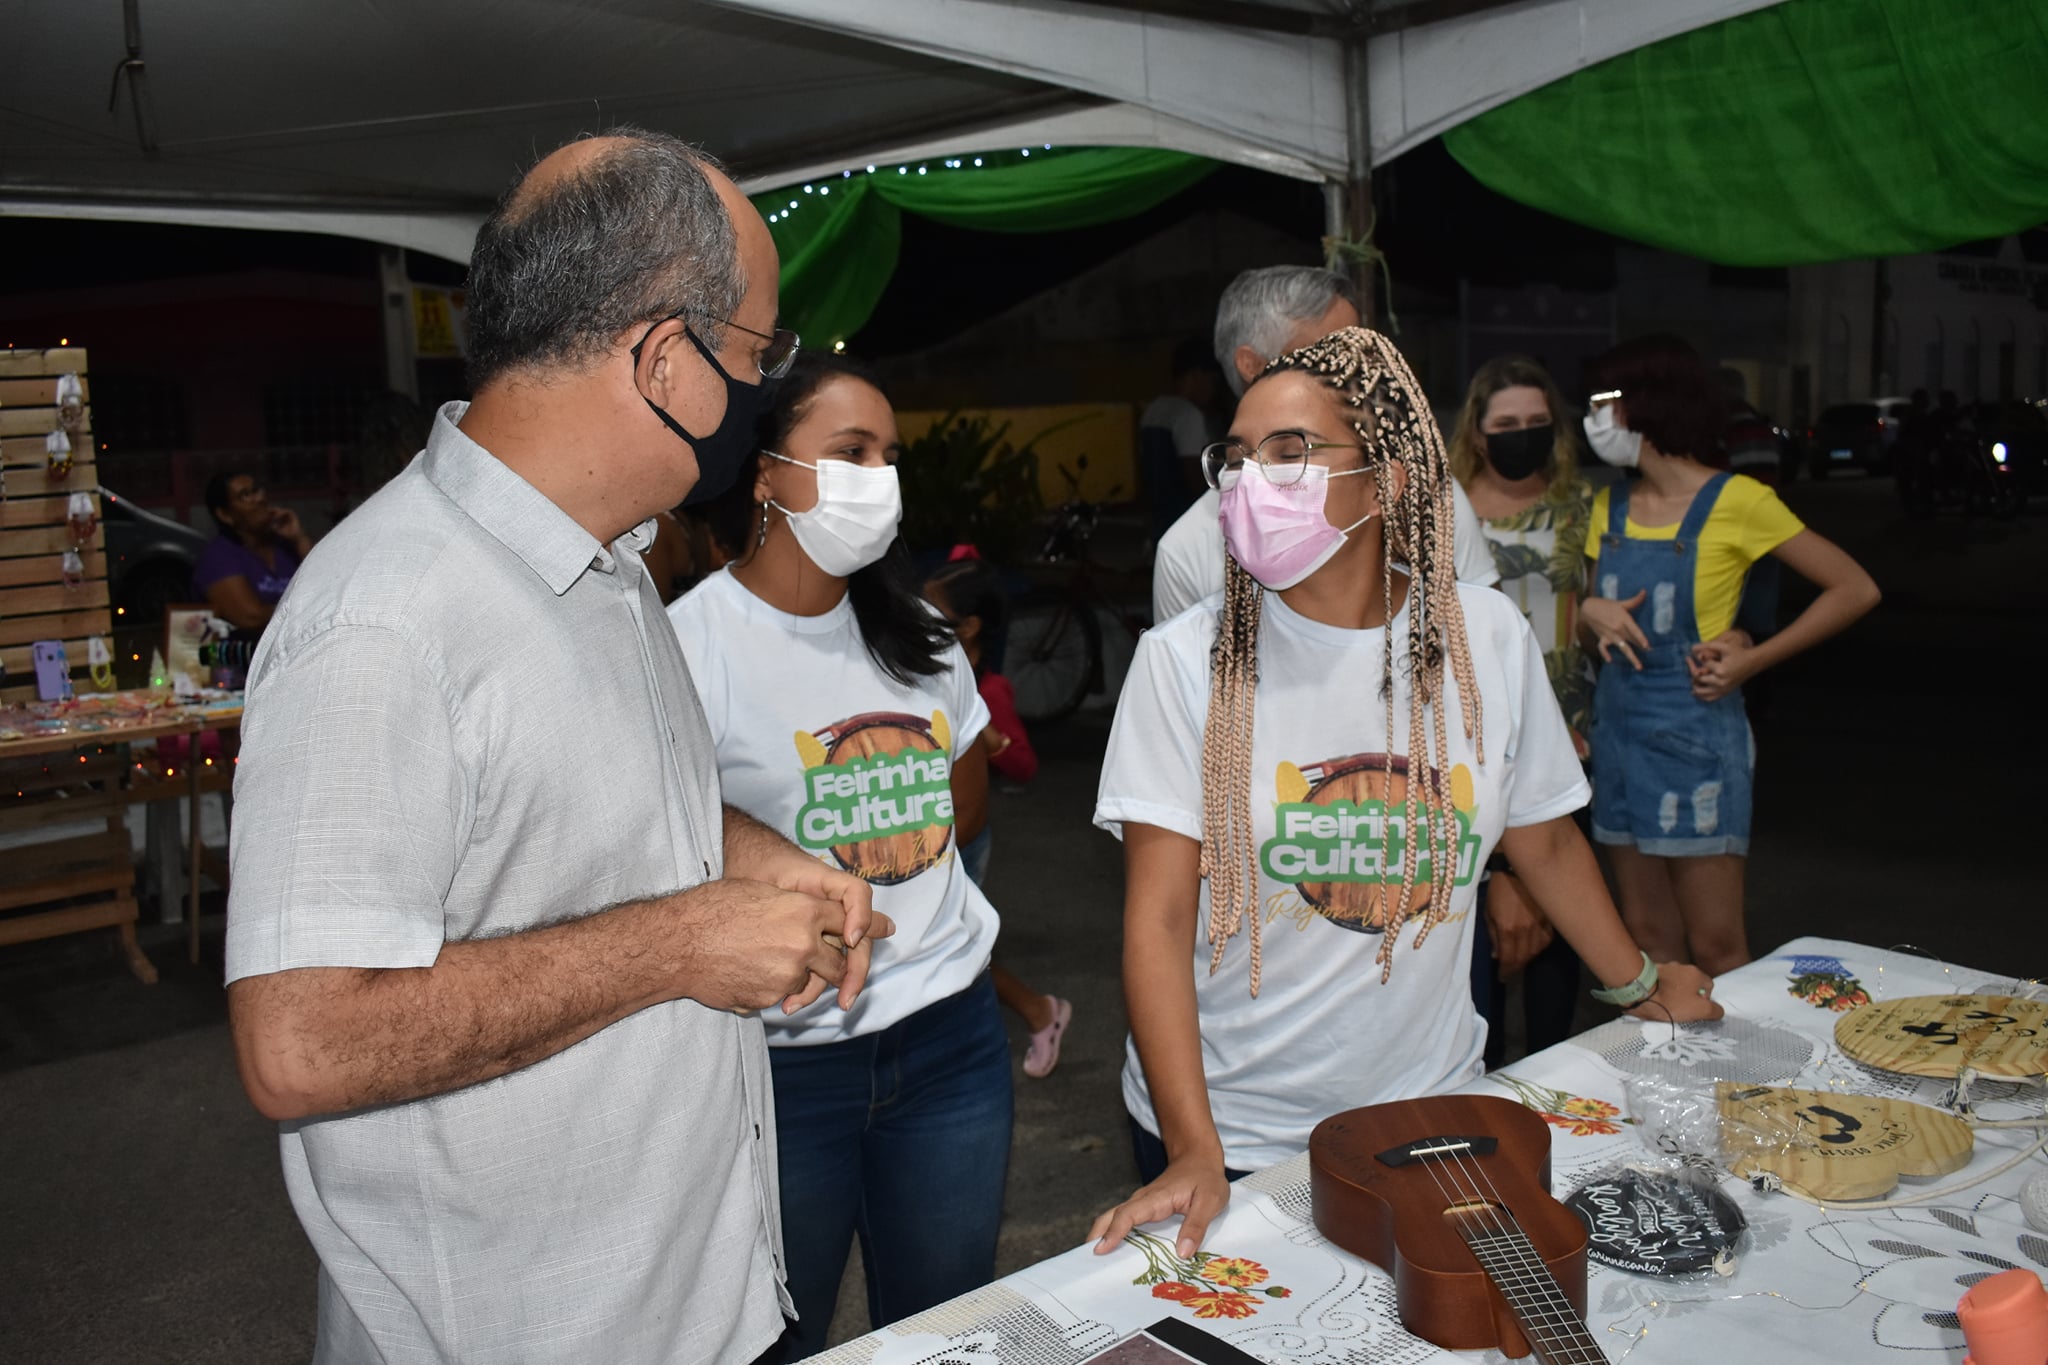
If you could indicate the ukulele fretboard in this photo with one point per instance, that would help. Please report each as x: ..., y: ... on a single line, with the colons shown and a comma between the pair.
x: 1539, y: 1304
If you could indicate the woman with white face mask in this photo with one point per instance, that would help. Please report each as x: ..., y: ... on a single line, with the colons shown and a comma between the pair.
x: 1671, y: 549
x: 847, y: 718
x: 1308, y: 772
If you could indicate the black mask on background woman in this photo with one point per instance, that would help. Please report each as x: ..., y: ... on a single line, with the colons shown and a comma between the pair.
x: 1515, y: 455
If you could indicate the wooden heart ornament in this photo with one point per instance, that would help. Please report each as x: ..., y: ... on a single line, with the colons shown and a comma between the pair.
x: 1938, y: 1035
x: 1835, y: 1146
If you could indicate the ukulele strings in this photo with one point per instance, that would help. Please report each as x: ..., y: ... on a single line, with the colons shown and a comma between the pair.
x: 1513, y: 1248
x: 1558, y: 1315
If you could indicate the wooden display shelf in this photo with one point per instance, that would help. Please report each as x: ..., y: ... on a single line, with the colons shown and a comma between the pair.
x: 74, y: 882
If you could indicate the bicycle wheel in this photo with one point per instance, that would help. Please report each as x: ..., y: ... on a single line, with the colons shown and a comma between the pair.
x: 1054, y: 652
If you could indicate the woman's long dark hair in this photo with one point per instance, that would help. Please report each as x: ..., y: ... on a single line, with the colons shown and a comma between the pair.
x: 903, y: 635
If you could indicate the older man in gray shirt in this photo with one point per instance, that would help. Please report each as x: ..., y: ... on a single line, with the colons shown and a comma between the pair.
x: 494, y: 943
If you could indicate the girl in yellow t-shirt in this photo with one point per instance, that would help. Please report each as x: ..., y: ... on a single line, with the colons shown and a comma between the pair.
x: 1671, y: 550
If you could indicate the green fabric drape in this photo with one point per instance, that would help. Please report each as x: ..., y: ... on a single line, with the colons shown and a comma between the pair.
x: 839, y: 238
x: 1814, y: 130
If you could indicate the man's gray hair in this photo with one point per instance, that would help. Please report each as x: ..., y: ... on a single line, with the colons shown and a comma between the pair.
x: 635, y: 235
x: 1262, y: 306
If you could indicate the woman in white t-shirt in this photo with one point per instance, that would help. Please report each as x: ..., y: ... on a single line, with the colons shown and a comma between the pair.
x: 846, y: 717
x: 1268, y: 743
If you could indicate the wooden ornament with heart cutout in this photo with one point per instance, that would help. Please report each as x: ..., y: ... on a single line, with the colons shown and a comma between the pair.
x: 1836, y: 1146
x: 1938, y: 1035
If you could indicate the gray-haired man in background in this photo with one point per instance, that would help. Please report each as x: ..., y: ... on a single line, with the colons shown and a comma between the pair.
x: 1263, y: 314
x: 493, y: 940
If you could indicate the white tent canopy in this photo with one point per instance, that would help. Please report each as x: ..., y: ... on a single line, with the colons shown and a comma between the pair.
x: 401, y: 123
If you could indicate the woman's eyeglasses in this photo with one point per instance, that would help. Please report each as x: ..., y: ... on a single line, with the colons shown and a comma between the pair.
x: 1284, y: 454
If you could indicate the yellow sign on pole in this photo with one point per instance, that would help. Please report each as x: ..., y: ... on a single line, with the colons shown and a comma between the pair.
x: 440, y: 323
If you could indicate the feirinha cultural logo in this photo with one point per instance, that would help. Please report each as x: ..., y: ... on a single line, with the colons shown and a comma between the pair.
x: 878, y: 793
x: 1340, y: 835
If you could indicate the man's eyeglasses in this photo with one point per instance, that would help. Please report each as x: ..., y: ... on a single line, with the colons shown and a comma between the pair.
x: 775, y: 358
x: 1284, y: 454
x: 1602, y: 399
x: 780, y: 352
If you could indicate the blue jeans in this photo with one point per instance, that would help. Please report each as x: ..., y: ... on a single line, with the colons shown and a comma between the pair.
x: 901, y: 1137
x: 1674, y: 773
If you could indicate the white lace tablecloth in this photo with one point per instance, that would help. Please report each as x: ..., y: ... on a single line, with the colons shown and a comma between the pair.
x: 1813, y: 1285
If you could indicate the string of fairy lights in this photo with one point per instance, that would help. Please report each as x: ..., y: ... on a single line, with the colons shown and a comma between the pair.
x: 823, y: 189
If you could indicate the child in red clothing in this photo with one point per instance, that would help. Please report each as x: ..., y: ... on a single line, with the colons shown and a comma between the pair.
x: 969, y: 592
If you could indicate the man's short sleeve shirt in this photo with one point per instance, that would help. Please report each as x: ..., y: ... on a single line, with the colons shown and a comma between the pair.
x: 470, y: 718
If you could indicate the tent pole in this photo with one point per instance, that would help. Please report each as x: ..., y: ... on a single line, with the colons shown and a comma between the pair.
x: 1347, y: 204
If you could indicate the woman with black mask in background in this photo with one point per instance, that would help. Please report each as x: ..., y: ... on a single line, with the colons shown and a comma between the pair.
x: 1515, y: 454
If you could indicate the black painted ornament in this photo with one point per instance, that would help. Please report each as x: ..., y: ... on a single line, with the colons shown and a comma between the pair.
x: 1659, y: 1223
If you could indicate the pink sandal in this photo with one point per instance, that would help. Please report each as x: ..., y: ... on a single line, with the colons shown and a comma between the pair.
x: 1043, y: 1054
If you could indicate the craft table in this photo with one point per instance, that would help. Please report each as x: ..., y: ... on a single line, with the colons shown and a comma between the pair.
x: 117, y: 877
x: 1814, y: 1285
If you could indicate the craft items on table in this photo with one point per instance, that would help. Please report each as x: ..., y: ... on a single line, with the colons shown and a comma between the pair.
x: 108, y: 714
x: 1941, y: 1035
x: 1832, y: 1146
x: 72, y: 569
x: 2034, y: 1201
x: 53, y: 671
x: 1448, y: 1196
x: 2005, y: 1319
x: 1870, y: 1283
x: 1673, y: 1223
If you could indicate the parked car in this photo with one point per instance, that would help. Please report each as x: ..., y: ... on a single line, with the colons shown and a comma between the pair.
x: 1855, y: 436
x: 1757, y: 446
x: 149, y: 567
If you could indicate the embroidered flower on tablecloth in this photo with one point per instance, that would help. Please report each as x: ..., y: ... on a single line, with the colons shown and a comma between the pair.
x: 1576, y: 1114
x: 1233, y: 1271
x: 1825, y: 983
x: 1208, y: 1285
x: 1583, y: 1117
x: 1224, y: 1303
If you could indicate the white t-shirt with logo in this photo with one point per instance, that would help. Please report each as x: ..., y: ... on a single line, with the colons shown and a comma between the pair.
x: 816, y: 741
x: 1324, y: 1034
x: 1188, y: 565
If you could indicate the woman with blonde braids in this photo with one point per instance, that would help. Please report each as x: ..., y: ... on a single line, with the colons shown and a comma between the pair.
x: 1308, y: 773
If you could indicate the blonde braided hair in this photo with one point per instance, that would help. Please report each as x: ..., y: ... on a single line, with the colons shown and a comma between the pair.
x: 1393, y: 424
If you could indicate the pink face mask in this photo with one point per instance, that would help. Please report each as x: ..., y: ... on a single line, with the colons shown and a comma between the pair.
x: 1279, y: 534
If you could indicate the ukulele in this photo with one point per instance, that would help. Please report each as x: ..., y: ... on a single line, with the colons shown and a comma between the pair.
x: 1451, y: 1197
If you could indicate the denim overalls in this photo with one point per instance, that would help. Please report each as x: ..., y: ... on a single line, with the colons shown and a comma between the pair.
x: 1671, y: 773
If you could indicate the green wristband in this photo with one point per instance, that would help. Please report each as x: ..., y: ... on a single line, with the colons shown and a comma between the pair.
x: 1635, y: 992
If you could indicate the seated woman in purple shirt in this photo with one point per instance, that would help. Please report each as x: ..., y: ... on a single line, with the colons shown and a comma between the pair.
x: 247, y: 567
